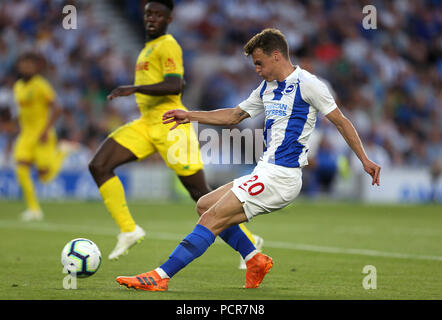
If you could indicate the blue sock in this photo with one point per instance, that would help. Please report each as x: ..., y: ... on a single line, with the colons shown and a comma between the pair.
x: 238, y: 240
x: 193, y: 245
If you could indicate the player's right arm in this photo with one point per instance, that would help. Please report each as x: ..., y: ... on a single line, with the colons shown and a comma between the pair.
x: 229, y: 116
x: 251, y: 107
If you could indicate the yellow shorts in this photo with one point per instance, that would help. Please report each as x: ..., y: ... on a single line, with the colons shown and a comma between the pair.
x: 179, y: 147
x: 27, y: 148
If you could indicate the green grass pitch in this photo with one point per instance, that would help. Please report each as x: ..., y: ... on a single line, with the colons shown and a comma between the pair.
x: 319, y: 250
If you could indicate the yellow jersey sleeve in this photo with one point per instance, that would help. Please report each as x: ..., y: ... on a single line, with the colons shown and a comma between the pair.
x: 171, y: 59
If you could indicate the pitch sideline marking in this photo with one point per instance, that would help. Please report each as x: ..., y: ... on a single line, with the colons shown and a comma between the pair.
x: 52, y: 227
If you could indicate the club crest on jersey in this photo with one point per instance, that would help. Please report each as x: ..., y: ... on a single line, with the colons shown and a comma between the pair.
x: 149, y: 51
x: 289, y: 89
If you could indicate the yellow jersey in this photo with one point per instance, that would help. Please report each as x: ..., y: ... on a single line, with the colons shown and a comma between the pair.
x: 33, y: 98
x: 160, y: 58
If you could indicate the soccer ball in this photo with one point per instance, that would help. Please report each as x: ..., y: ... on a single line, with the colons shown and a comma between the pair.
x: 81, y: 257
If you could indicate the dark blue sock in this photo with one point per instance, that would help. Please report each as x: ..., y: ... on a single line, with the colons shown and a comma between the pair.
x: 238, y: 240
x: 193, y: 245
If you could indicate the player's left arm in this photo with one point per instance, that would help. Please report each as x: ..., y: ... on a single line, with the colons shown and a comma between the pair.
x: 54, y: 114
x: 55, y: 110
x: 169, y: 86
x: 349, y: 133
x: 171, y: 64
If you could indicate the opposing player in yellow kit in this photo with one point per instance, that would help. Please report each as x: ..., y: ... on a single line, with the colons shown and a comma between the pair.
x: 36, y: 144
x: 158, y: 86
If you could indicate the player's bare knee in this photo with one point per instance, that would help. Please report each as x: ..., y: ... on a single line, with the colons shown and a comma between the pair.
x: 93, y: 168
x: 42, y: 173
x: 207, y: 219
x: 200, y: 209
x: 96, y: 169
x: 195, y: 194
x: 202, y: 205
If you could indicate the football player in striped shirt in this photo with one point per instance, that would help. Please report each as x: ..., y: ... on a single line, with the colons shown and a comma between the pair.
x: 291, y: 98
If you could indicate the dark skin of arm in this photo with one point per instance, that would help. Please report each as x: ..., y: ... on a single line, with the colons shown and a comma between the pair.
x: 156, y: 19
x: 170, y: 86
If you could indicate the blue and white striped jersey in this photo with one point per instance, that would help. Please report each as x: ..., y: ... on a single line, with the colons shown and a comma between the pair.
x: 291, y: 107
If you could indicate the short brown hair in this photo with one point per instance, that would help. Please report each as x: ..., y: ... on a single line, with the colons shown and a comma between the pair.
x: 36, y: 57
x: 268, y: 40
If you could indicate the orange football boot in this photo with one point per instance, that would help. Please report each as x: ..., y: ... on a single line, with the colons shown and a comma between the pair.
x: 257, y: 268
x: 149, y: 281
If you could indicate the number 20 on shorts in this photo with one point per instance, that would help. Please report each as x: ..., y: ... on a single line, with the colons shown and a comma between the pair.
x: 253, y: 189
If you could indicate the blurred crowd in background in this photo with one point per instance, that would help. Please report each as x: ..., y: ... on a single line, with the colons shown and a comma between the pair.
x: 385, y: 80
x: 80, y: 64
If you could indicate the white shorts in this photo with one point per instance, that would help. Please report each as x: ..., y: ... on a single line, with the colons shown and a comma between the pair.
x: 268, y: 188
